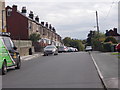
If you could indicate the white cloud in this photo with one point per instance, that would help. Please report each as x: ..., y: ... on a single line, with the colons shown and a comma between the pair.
x: 72, y: 18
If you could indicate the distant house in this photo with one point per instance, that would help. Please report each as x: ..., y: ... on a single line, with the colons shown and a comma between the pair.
x: 113, y: 32
x: 22, y: 26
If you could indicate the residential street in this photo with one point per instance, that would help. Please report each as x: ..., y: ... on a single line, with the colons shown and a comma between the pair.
x: 66, y: 70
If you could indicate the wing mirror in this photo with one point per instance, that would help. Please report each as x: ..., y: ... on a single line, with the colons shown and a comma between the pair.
x: 15, y: 48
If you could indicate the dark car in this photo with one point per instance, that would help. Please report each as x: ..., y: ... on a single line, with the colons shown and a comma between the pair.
x: 50, y: 49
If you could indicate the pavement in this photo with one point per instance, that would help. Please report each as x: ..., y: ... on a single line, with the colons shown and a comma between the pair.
x: 29, y: 57
x: 107, y: 67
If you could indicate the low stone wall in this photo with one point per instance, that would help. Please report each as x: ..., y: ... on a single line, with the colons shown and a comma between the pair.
x: 24, y: 47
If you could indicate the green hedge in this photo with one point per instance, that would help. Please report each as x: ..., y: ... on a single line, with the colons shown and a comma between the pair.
x: 108, y: 47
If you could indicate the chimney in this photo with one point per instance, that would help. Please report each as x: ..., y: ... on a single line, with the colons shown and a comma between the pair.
x: 115, y: 30
x: 37, y: 18
x: 31, y: 15
x: 106, y: 31
x: 42, y: 23
x: 50, y: 27
x: 14, y: 8
x: 24, y: 11
x: 46, y: 24
x: 53, y: 29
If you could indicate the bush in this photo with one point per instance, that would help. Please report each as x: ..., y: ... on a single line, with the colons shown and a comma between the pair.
x: 107, y: 47
x: 34, y: 37
x: 111, y: 39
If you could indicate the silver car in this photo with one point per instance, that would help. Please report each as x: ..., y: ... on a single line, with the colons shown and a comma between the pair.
x: 62, y: 49
x: 88, y: 48
x: 50, y: 49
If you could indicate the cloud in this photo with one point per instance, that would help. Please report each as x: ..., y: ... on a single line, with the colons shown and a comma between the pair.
x: 73, y: 18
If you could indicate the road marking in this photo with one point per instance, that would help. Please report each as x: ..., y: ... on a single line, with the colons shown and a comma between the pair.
x: 97, y: 67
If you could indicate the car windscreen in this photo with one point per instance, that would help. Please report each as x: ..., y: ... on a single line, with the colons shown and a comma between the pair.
x: 48, y: 47
x: 8, y: 42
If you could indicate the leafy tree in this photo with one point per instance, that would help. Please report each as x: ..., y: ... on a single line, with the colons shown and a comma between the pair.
x: 67, y: 41
x: 111, y: 39
x: 73, y: 43
x: 94, y: 39
x: 34, y: 37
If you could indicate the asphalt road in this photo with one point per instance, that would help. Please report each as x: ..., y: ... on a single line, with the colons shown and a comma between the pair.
x: 66, y: 70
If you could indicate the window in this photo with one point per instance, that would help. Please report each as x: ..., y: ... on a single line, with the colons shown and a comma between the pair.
x: 8, y: 42
x: 9, y: 11
x: 30, y: 26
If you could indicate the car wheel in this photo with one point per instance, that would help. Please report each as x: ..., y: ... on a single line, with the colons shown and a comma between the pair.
x: 18, y: 64
x: 4, y: 68
x: 44, y: 55
x: 56, y: 53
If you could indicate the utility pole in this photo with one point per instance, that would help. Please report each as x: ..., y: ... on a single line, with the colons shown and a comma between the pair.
x: 97, y: 30
x: 97, y: 22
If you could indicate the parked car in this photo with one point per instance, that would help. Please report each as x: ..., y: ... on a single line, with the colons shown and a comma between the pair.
x: 88, y: 48
x: 9, y: 57
x: 76, y: 50
x: 71, y: 49
x: 118, y: 47
x: 50, y: 49
x: 62, y: 49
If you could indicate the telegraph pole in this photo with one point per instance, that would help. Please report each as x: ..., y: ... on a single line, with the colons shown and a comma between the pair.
x: 97, y: 30
x: 97, y: 22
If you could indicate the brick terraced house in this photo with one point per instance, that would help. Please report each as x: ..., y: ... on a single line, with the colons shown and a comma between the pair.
x: 22, y: 26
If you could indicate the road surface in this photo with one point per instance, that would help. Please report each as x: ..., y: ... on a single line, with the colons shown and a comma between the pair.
x: 66, y: 70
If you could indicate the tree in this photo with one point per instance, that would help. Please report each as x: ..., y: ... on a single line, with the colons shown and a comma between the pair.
x: 111, y: 39
x: 94, y: 39
x: 73, y: 43
x: 34, y: 37
x: 67, y: 41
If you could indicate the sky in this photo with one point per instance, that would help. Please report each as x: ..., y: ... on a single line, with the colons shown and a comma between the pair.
x: 73, y: 18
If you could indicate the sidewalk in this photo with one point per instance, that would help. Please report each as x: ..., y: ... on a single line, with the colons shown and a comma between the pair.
x: 29, y: 57
x: 107, y: 66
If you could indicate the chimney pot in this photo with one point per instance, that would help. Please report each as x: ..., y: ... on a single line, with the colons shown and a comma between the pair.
x: 53, y: 29
x: 31, y: 15
x: 46, y: 24
x: 115, y: 30
x: 24, y: 11
x: 37, y: 18
x: 50, y: 27
x: 42, y: 23
x: 14, y: 7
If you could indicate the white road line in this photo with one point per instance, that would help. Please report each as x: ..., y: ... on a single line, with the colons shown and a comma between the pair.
x: 97, y: 67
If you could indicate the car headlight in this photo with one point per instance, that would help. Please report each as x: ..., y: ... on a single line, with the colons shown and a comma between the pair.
x: 53, y: 50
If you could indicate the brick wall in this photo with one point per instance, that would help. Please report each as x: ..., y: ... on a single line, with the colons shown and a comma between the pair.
x: 23, y: 46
